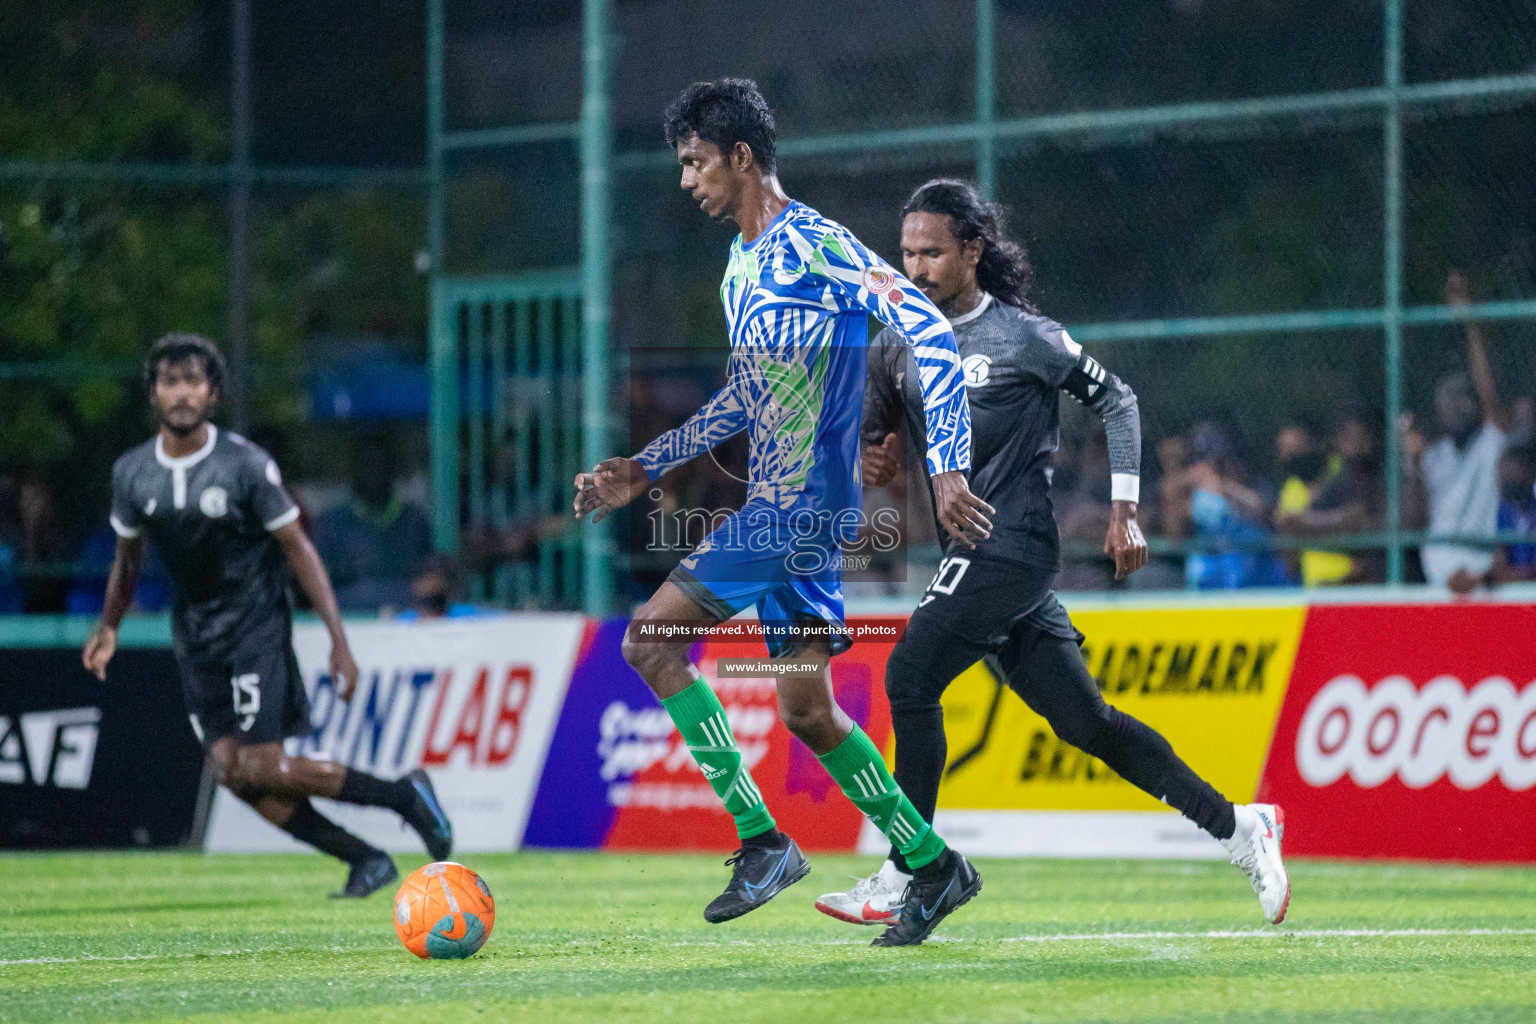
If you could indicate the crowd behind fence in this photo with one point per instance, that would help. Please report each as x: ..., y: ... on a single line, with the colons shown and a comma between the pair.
x: 1318, y: 273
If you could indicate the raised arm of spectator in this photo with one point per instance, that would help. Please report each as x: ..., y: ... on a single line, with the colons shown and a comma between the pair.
x: 1413, y: 497
x: 1458, y: 293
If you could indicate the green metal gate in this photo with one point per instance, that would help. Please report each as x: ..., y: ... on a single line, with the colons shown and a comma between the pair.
x: 507, y: 434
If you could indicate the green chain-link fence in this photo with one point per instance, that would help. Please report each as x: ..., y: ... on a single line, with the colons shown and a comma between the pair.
x: 1248, y: 210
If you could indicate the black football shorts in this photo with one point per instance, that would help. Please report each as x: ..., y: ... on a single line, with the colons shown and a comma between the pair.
x: 982, y: 600
x: 255, y: 693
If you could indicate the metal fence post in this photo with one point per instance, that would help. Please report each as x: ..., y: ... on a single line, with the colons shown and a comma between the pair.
x: 597, y: 538
x: 237, y: 321
x: 1392, y: 284
x: 986, y: 96
x: 443, y: 418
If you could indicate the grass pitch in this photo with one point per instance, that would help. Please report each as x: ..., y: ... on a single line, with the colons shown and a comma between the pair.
x: 582, y: 937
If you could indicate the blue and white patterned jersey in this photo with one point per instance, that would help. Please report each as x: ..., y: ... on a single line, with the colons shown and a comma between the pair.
x: 797, y: 300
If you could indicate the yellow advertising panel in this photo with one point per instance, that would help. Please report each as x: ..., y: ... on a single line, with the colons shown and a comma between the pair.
x: 1209, y: 680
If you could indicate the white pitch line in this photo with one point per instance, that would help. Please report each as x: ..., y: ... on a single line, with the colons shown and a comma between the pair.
x: 1275, y: 933
x: 1254, y: 933
x: 133, y: 956
x: 1268, y: 933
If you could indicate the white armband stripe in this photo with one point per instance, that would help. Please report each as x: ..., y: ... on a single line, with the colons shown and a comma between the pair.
x: 122, y: 529
x: 1124, y: 487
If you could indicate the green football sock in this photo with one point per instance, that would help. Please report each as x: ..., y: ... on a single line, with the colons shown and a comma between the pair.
x: 860, y: 770
x: 698, y: 715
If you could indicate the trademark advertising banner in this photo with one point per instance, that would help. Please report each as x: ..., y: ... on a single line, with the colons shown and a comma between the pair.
x: 474, y: 702
x: 619, y: 775
x: 91, y: 764
x: 1212, y: 681
x: 1410, y: 731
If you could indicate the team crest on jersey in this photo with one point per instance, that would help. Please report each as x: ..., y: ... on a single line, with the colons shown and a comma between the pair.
x: 878, y: 280
x: 214, y: 502
x: 151, y: 505
x: 978, y: 369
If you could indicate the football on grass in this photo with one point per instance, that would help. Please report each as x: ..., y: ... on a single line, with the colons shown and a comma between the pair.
x: 444, y: 911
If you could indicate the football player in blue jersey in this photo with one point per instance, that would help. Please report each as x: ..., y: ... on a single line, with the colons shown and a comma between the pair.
x: 798, y: 292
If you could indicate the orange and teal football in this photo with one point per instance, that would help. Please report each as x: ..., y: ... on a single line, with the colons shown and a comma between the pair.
x: 444, y: 911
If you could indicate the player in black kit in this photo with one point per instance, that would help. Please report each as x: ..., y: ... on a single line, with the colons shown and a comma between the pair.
x: 215, y: 506
x: 994, y: 599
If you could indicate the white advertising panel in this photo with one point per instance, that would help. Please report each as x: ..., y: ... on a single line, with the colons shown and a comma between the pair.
x: 474, y: 702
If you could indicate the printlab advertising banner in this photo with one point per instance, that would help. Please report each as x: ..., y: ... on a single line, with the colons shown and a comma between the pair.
x: 474, y: 702
x: 91, y: 764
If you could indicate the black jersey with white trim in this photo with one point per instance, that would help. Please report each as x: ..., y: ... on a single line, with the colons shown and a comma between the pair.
x: 210, y: 515
x: 1015, y: 364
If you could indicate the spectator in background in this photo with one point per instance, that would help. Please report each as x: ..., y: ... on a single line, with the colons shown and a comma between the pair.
x: 1346, y: 498
x: 12, y: 601
x: 1516, y: 563
x: 486, y: 547
x: 435, y: 591
x: 1300, y: 465
x: 39, y: 545
x: 1229, y: 516
x: 1458, y: 474
x: 373, y: 543
x: 1173, y: 487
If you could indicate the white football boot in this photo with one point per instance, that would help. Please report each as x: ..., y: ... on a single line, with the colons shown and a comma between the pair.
x: 874, y: 900
x: 1255, y: 847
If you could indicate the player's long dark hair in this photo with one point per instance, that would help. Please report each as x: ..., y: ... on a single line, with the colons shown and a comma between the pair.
x: 1004, y: 270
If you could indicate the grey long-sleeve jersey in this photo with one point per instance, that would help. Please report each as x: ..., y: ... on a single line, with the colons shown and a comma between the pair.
x: 1015, y: 363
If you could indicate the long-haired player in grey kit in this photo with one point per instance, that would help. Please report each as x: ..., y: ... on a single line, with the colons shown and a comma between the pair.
x: 229, y: 534
x: 994, y: 599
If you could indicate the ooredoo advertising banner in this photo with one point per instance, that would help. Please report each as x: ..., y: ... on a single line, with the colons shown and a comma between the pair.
x: 1410, y: 731
x: 474, y: 702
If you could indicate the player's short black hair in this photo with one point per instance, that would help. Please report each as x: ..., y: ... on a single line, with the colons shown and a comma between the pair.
x: 177, y: 347
x: 1004, y: 271
x: 725, y: 112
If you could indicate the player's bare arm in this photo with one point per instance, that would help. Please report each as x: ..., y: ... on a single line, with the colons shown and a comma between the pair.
x: 307, y: 568
x: 1125, y: 542
x: 120, y: 583
x: 879, y: 462
x: 880, y: 448
x: 959, y: 511
x: 612, y: 484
